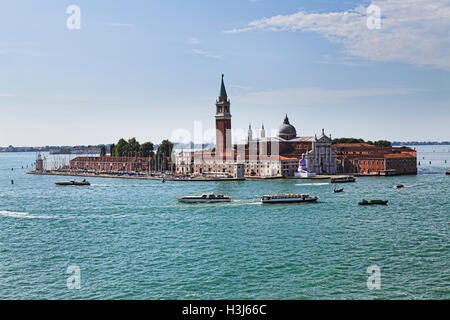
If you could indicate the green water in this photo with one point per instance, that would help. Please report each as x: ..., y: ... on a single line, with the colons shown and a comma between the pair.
x: 132, y: 240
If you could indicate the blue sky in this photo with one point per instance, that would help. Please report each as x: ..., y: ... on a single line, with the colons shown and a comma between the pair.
x: 146, y: 68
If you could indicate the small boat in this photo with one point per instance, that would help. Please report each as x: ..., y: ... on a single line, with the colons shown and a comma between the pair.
x: 287, y: 198
x: 73, y: 183
x: 343, y: 179
x: 338, y: 190
x: 205, y: 198
x: 373, y: 202
x: 399, y: 186
x: 448, y: 172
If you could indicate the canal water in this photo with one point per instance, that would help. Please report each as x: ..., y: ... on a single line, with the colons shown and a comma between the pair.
x: 131, y: 239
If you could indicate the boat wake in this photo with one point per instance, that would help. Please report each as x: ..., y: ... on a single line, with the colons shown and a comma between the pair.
x: 233, y: 203
x: 244, y: 203
x: 121, y: 185
x: 313, y: 184
x: 23, y: 215
x: 414, y: 185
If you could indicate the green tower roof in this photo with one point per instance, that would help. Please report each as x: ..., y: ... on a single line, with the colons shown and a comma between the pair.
x: 223, y: 92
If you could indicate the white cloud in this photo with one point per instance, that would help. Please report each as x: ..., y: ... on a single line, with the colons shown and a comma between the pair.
x: 313, y: 95
x: 413, y: 31
x: 206, y: 54
x: 193, y: 41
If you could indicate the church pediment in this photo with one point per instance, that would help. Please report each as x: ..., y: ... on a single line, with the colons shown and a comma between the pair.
x: 324, y: 139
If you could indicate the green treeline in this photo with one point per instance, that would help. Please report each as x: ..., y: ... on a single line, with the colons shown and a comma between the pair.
x: 379, y: 143
x: 132, y: 148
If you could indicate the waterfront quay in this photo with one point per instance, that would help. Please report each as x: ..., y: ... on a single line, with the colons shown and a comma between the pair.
x: 157, y: 176
x: 171, y: 177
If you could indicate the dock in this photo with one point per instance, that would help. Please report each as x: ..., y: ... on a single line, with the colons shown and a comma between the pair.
x: 113, y: 176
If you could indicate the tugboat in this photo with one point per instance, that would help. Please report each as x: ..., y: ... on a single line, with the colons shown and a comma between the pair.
x: 338, y: 190
x: 287, y: 198
x: 343, y: 179
x: 399, y: 186
x: 205, y: 198
x: 373, y: 202
x: 73, y: 183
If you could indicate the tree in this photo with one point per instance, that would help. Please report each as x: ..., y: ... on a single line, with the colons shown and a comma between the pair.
x: 121, y: 148
x: 379, y: 143
x: 147, y: 149
x: 133, y: 147
x: 164, y: 153
x: 383, y: 143
x: 348, y: 140
x: 111, y: 149
x: 102, y: 151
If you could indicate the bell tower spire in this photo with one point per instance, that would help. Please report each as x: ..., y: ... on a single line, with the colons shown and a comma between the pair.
x: 223, y: 91
x: 223, y: 121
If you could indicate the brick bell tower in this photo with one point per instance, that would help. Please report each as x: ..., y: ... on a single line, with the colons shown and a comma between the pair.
x: 223, y: 122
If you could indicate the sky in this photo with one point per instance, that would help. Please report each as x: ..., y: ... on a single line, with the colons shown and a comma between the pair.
x: 147, y: 69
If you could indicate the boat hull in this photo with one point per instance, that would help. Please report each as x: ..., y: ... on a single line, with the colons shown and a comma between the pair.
x: 373, y: 203
x: 343, y: 180
x: 273, y: 201
x: 203, y: 200
x: 72, y: 183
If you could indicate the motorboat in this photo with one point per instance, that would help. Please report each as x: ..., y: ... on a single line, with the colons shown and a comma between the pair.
x: 205, y: 198
x: 73, y: 183
x: 338, y: 190
x: 343, y: 179
x: 399, y: 186
x: 288, y: 198
x: 373, y: 202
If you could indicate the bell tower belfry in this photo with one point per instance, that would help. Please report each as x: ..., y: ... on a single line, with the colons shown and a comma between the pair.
x: 223, y: 122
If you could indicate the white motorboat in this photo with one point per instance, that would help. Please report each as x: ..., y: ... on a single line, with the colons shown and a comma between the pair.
x: 205, y: 198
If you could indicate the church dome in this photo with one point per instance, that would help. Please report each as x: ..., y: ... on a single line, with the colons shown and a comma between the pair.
x: 286, y: 130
